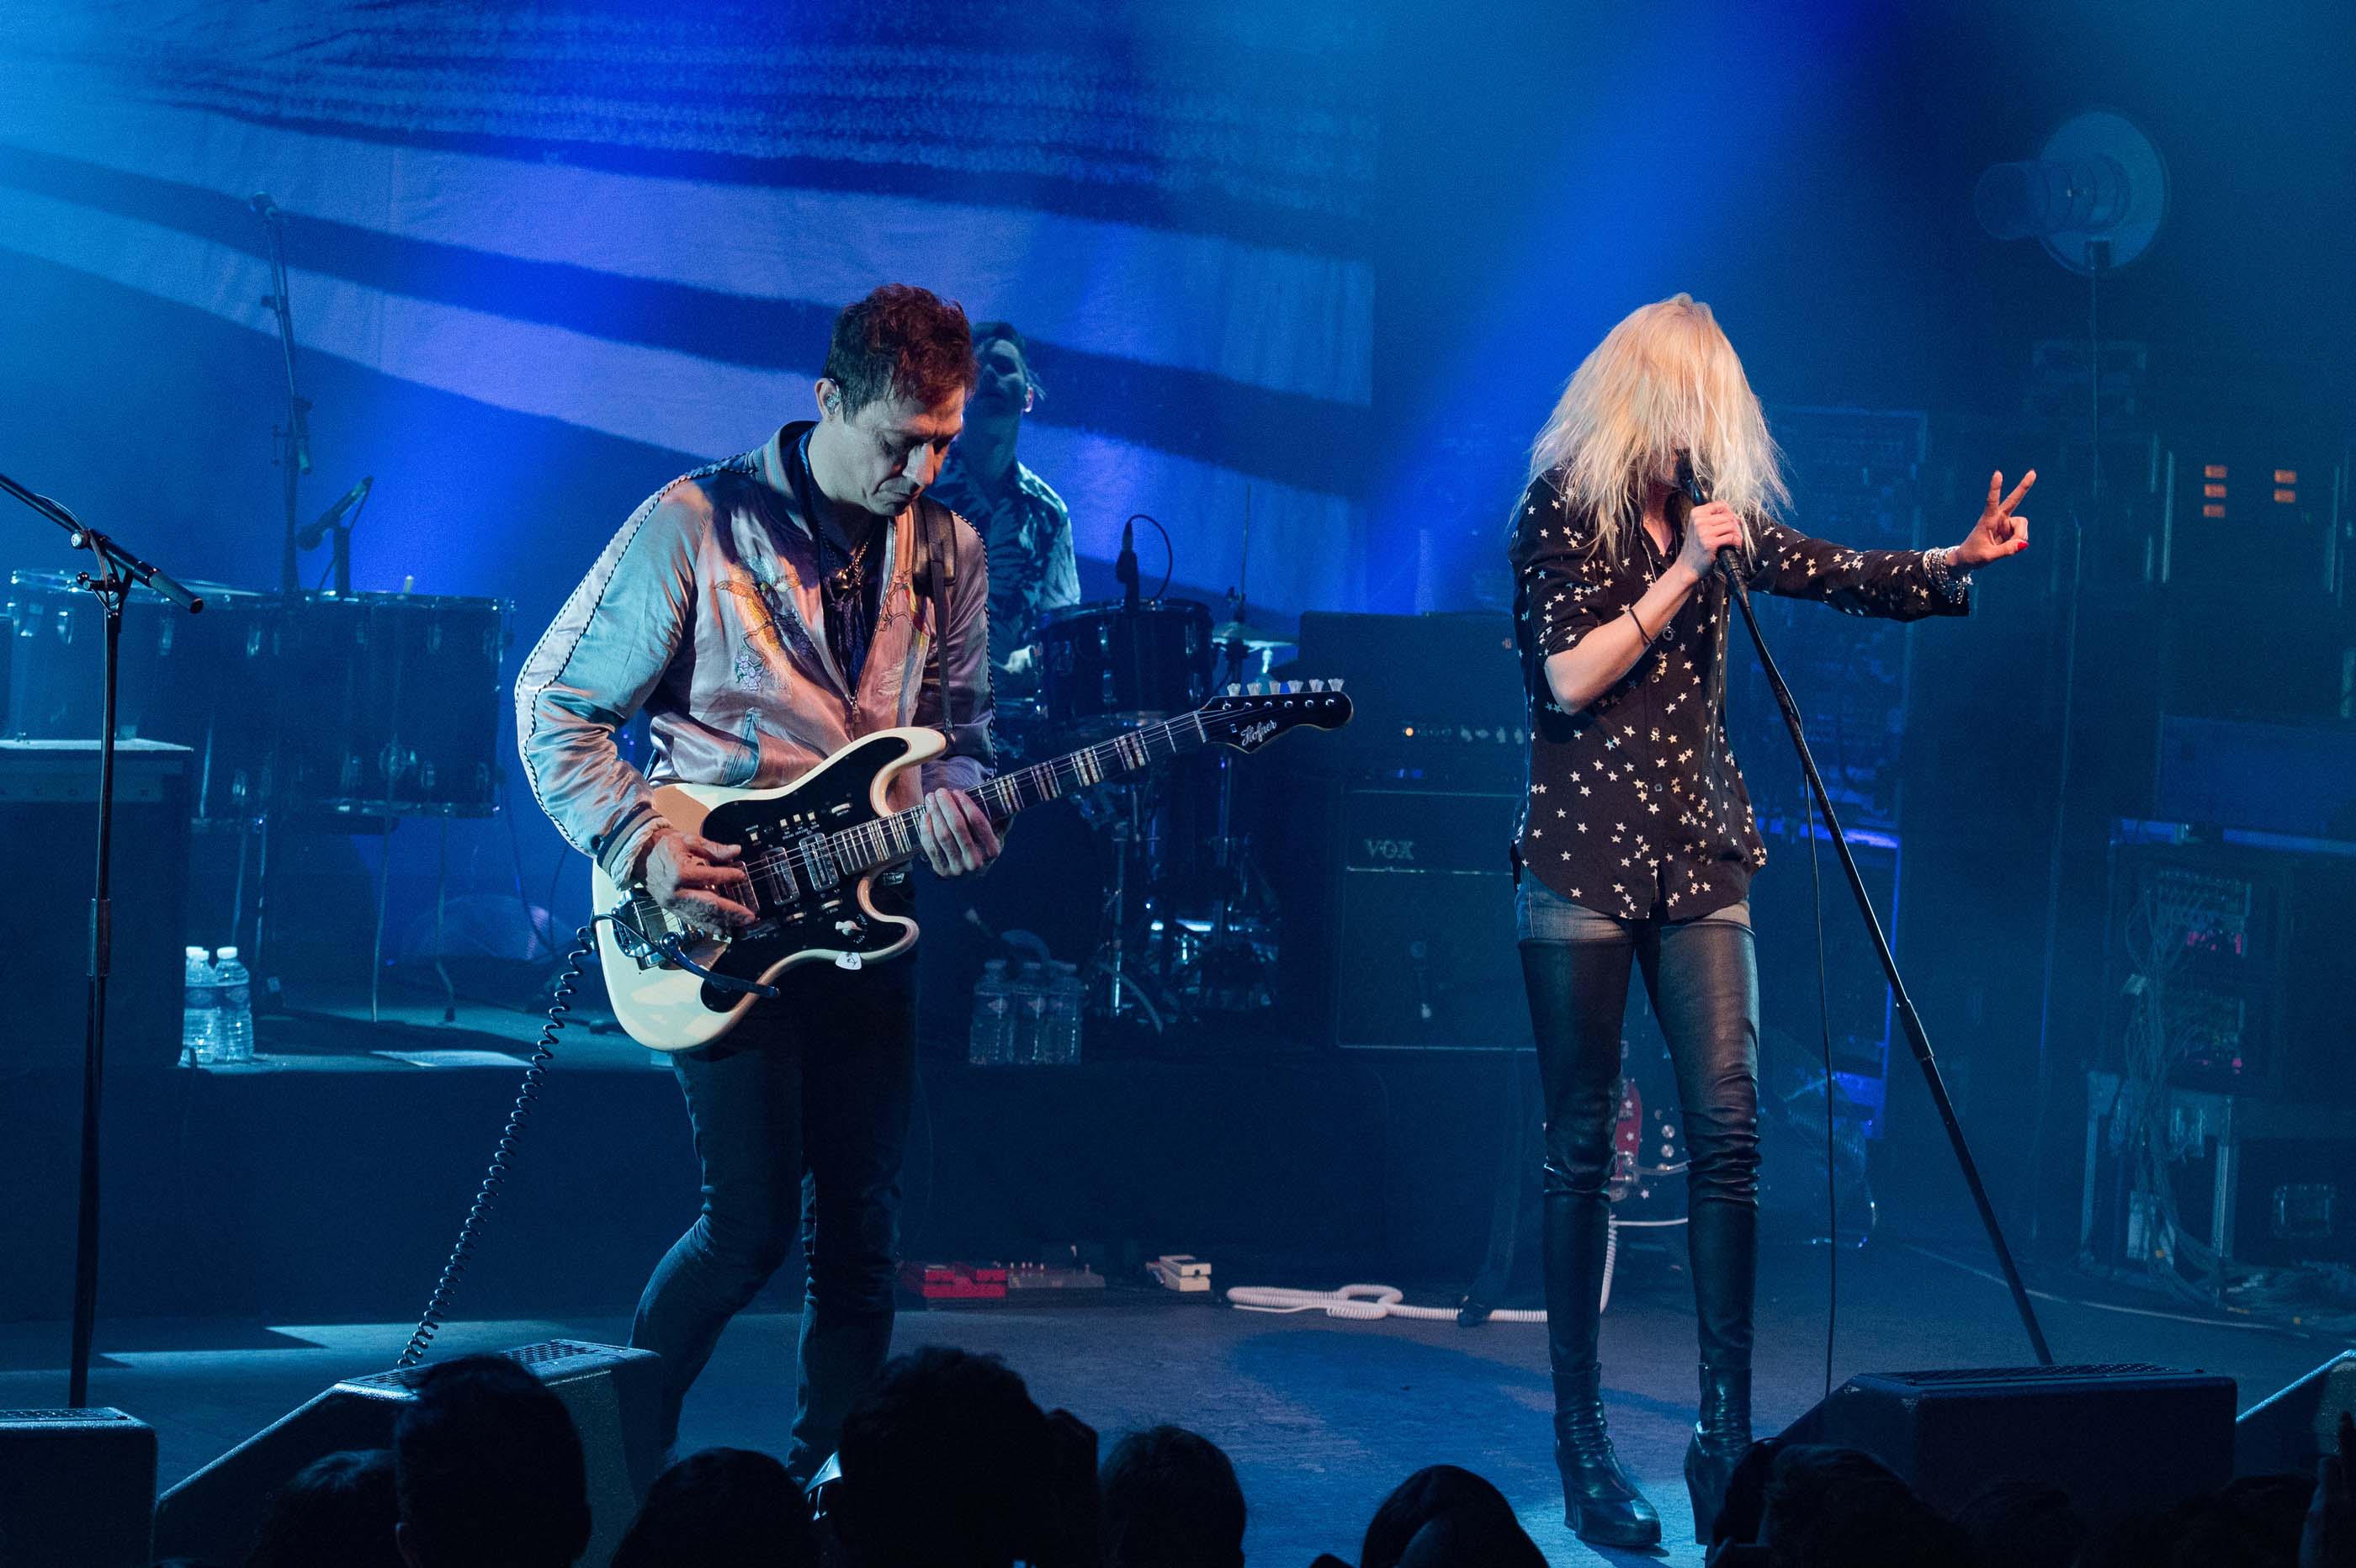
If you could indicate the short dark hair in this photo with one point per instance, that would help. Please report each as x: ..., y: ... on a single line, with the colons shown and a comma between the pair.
x: 339, y: 1508
x: 1171, y: 1502
x: 489, y: 1469
x: 1833, y: 1508
x: 945, y: 1460
x: 986, y: 333
x: 1444, y: 1513
x: 723, y: 1508
x: 900, y: 341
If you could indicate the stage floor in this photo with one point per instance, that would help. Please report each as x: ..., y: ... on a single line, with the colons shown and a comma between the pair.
x: 1321, y: 1416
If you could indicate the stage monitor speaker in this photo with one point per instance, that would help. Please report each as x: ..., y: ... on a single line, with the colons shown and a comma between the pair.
x: 77, y: 1489
x: 2116, y: 1438
x: 611, y: 1393
x: 2289, y: 1430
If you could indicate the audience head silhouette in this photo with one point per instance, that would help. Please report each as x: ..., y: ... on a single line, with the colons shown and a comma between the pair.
x: 724, y: 1507
x: 489, y: 1470
x: 1444, y: 1517
x: 339, y: 1510
x: 1835, y: 1508
x: 1171, y: 1500
x: 945, y: 1465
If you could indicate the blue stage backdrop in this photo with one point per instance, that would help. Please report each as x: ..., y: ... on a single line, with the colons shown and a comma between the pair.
x: 638, y: 220
x: 544, y: 257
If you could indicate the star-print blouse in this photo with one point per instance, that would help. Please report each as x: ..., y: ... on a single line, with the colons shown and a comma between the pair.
x: 1635, y: 807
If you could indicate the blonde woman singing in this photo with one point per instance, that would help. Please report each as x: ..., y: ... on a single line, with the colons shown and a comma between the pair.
x: 1636, y: 838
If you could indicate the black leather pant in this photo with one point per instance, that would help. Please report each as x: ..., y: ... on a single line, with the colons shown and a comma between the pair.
x: 1702, y: 976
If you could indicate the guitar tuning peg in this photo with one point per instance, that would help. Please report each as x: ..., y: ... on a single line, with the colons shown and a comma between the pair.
x: 1334, y: 684
x: 1259, y: 689
x: 1235, y: 688
x: 1316, y: 686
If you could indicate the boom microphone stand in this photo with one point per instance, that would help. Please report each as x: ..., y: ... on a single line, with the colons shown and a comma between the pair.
x: 1916, y: 1039
x: 118, y: 569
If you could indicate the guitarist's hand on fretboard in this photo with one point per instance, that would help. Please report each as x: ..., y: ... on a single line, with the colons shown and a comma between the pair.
x: 697, y: 880
x: 956, y: 833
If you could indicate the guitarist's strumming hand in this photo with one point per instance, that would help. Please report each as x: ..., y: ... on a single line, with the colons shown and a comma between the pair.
x: 956, y: 833
x: 697, y: 879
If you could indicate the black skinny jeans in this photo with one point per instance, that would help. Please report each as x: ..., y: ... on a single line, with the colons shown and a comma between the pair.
x: 801, y: 1118
x: 1702, y: 976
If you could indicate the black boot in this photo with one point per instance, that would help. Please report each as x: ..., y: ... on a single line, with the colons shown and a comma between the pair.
x: 1719, y: 1439
x: 1577, y: 992
x: 1600, y: 1503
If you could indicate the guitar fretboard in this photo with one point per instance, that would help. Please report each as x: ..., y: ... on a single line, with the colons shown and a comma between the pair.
x: 828, y: 860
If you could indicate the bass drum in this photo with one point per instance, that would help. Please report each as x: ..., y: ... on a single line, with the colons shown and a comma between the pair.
x: 392, y: 705
x: 202, y: 682
x: 1107, y: 667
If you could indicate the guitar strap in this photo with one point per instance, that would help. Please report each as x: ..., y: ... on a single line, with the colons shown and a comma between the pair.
x: 933, y: 573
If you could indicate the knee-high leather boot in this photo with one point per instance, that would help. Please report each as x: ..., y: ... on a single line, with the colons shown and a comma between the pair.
x: 1706, y: 991
x: 1600, y: 1503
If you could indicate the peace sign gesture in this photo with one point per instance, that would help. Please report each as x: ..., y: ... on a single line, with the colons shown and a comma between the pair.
x: 1998, y: 533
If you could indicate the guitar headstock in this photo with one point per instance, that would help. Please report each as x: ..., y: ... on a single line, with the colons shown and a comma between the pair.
x: 1250, y: 717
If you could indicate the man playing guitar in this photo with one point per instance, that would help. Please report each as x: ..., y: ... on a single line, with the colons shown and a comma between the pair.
x: 766, y: 610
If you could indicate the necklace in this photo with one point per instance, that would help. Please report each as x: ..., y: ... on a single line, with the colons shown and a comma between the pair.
x: 851, y: 575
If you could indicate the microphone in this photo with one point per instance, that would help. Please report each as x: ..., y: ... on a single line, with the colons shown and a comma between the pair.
x: 1124, y: 568
x: 310, y: 536
x: 1729, y: 561
x: 263, y: 208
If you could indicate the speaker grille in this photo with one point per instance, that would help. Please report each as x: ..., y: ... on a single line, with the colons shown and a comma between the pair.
x: 2031, y: 1374
x: 547, y: 1353
x: 62, y: 1416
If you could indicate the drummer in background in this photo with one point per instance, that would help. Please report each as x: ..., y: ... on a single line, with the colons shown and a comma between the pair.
x: 1022, y: 520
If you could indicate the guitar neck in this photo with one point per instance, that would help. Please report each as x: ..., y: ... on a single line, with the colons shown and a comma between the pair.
x: 888, y: 840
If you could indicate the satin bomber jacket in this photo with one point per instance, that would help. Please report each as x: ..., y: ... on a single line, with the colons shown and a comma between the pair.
x: 706, y: 611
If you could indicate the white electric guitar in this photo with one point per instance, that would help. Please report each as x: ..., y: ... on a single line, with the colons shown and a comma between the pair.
x: 815, y: 846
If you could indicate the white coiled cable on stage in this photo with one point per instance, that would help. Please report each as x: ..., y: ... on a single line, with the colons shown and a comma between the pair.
x: 1368, y: 1302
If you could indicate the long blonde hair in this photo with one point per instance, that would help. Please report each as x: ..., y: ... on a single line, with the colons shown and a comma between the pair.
x: 1665, y: 381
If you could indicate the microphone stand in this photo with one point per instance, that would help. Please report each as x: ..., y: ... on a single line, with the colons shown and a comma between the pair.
x: 117, y: 569
x: 1911, y: 1022
x: 294, y: 455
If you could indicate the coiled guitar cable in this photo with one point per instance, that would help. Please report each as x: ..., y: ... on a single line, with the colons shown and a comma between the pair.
x: 543, y: 1052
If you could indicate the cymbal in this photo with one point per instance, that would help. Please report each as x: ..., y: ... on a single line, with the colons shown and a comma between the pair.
x: 1252, y: 637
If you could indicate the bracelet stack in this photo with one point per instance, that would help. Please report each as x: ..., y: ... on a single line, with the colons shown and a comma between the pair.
x: 1951, y: 583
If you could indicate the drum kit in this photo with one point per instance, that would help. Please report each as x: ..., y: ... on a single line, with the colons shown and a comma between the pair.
x: 1186, y: 924
x: 350, y: 710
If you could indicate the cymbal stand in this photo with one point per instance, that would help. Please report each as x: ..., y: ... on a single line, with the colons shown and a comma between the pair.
x: 1122, y: 991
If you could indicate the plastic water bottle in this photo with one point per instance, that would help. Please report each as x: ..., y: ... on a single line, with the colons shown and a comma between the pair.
x: 236, y: 1006
x: 1030, y: 995
x: 1060, y: 1041
x: 199, y: 1011
x: 990, y: 1042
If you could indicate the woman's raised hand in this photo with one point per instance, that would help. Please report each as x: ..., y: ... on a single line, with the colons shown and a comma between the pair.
x: 1998, y: 533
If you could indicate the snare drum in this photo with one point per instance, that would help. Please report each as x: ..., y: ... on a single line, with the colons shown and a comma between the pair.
x: 392, y: 704
x: 1107, y: 667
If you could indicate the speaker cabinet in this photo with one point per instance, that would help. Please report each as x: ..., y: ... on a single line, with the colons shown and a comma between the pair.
x: 611, y: 1393
x: 2116, y: 1438
x: 77, y: 1489
x: 1423, y: 932
x: 48, y: 819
